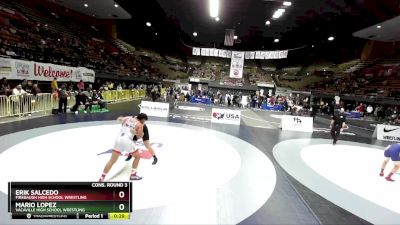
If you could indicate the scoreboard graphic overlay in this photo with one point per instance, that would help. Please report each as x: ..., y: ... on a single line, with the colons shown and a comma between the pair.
x: 70, y: 200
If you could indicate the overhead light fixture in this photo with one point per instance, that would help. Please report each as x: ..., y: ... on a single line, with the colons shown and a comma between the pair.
x: 267, y: 22
x: 148, y: 24
x: 116, y: 5
x: 217, y: 19
x: 235, y: 37
x: 278, y: 13
x: 379, y: 26
x: 276, y: 40
x: 287, y: 3
x: 331, y: 38
x: 214, y: 8
x: 195, y: 34
x: 86, y: 5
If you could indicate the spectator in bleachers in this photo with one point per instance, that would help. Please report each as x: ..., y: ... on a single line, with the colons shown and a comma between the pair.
x: 361, y: 109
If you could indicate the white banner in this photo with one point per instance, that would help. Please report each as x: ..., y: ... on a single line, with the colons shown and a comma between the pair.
x: 263, y: 54
x: 258, y: 55
x: 388, y: 133
x: 248, y: 55
x: 276, y: 55
x: 157, y: 109
x: 196, y: 51
x: 13, y: 69
x: 203, y: 52
x: 225, y: 116
x: 207, y: 52
x: 283, y: 54
x: 297, y: 123
x: 221, y: 53
x: 268, y: 55
x: 252, y: 55
x: 216, y: 52
x: 237, y: 62
x: 228, y: 54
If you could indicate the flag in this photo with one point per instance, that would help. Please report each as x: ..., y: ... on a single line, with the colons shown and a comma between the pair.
x: 229, y: 37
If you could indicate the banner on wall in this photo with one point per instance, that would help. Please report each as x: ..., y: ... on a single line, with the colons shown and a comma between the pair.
x: 248, y: 55
x: 196, y: 51
x: 225, y: 116
x: 14, y: 69
x: 156, y: 109
x: 388, y: 132
x: 237, y: 62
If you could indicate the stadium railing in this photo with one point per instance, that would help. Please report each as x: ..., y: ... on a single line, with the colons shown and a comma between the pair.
x: 4, y: 106
x: 123, y: 95
x: 20, y: 105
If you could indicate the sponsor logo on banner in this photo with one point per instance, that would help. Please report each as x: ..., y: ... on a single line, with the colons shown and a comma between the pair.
x: 156, y: 109
x: 225, y: 116
x: 78, y: 74
x: 91, y: 75
x: 297, y: 123
x: 388, y: 133
x: 22, y: 69
x: 5, y: 67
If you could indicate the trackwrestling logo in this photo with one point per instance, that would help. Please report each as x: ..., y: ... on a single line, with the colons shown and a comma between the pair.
x: 297, y: 120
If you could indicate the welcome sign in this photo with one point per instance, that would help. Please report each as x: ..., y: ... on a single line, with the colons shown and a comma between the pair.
x: 21, y: 69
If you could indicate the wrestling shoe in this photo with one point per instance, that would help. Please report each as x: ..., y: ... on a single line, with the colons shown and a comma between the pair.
x: 381, y: 174
x: 135, y: 177
x: 102, y: 177
x: 128, y: 158
x: 389, y: 179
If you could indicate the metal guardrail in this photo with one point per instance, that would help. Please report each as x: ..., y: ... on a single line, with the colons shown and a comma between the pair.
x: 4, y: 106
x: 123, y: 95
x: 20, y: 105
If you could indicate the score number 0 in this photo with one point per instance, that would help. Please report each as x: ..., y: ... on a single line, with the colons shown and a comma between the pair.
x: 121, y: 194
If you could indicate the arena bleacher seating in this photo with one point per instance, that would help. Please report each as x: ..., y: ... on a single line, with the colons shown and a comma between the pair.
x: 31, y: 34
